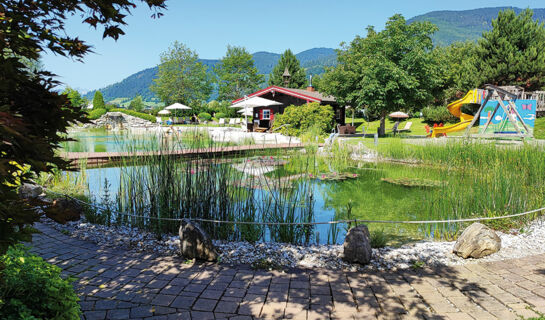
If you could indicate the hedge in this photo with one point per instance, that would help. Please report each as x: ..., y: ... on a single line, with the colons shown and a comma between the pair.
x: 205, y: 116
x: 300, y: 119
x: 133, y: 113
x: 438, y: 115
x: 96, y: 113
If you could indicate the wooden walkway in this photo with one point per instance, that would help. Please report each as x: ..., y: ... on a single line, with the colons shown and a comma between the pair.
x: 101, y: 158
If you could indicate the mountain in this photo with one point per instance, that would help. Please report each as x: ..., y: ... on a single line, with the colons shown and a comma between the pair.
x: 313, y: 60
x: 467, y: 24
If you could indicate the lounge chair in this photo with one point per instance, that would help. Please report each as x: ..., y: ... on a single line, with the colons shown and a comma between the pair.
x: 159, y: 120
x: 238, y: 120
x: 232, y: 121
x: 406, y: 128
x: 222, y: 122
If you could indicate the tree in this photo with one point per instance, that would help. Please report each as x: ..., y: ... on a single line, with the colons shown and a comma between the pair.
x: 98, y: 101
x: 236, y: 74
x: 297, y: 74
x: 386, y: 71
x: 181, y: 77
x: 457, y: 65
x: 511, y: 53
x: 137, y: 104
x: 32, y: 114
x: 75, y: 97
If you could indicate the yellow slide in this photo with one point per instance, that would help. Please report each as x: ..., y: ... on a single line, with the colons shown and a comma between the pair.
x: 473, y: 96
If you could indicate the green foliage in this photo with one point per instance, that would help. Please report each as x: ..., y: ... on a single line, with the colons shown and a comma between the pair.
x: 236, y: 74
x: 438, y: 115
x: 137, y: 104
x: 181, y: 77
x: 96, y: 113
x: 33, y: 289
x: 378, y: 238
x: 205, y: 116
x: 98, y: 101
x: 512, y: 52
x: 386, y: 71
x: 220, y: 115
x: 302, y: 118
x: 297, y: 74
x: 75, y: 98
x: 140, y: 115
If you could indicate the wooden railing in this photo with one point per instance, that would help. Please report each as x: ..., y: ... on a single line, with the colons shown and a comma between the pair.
x: 537, y: 95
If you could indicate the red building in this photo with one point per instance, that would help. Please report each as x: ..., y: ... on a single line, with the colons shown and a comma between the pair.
x: 264, y: 116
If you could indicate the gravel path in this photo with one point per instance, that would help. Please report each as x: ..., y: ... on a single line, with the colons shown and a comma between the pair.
x: 431, y: 253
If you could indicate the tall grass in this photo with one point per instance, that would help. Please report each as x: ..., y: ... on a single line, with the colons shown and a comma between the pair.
x: 209, y: 187
x: 491, y: 180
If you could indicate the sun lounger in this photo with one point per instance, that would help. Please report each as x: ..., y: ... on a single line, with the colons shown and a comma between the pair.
x: 394, y: 129
x: 237, y: 121
x: 222, y: 122
x: 159, y: 120
x: 406, y: 128
x: 232, y: 121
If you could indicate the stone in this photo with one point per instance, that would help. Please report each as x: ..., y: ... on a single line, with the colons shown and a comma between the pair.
x: 357, y: 248
x: 477, y: 241
x: 195, y: 242
x: 30, y: 191
x: 63, y: 210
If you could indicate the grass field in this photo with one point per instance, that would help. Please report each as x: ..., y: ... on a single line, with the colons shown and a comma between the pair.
x: 418, y: 125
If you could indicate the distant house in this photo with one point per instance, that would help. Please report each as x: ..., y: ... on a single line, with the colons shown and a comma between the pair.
x: 264, y: 116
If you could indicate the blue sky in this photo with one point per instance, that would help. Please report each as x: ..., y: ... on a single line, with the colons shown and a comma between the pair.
x: 208, y: 26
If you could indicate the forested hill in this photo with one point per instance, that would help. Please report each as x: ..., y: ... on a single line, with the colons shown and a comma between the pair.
x: 313, y: 60
x: 467, y: 24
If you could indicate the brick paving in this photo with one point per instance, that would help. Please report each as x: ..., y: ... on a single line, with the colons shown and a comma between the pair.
x: 117, y: 284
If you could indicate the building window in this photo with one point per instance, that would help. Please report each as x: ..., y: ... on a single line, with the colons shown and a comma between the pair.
x: 266, y: 114
x: 338, y: 113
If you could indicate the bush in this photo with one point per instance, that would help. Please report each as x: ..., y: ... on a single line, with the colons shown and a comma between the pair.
x: 205, y: 116
x: 378, y: 239
x: 438, y: 115
x: 302, y: 118
x: 96, y: 113
x: 33, y: 289
x: 133, y: 113
x: 220, y: 115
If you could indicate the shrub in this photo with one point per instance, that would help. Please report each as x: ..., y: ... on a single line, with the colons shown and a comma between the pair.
x: 96, y: 113
x: 438, y: 115
x: 378, y: 239
x: 302, y: 118
x: 33, y: 289
x: 133, y: 113
x: 220, y: 115
x: 205, y: 116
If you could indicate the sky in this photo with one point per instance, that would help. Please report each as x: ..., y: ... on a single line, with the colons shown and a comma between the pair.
x: 208, y: 26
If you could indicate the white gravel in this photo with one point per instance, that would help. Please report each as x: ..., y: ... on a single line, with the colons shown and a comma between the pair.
x: 514, y: 245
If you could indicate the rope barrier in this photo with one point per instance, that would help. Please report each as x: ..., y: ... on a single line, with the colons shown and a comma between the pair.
x: 309, y: 223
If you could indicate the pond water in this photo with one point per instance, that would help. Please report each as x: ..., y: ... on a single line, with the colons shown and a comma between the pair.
x: 366, y: 197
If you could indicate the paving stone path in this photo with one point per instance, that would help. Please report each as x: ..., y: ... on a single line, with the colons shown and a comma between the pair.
x: 117, y: 284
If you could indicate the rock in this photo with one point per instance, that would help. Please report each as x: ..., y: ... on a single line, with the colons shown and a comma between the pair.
x: 356, y: 245
x: 195, y: 242
x: 477, y: 241
x: 63, y: 210
x: 30, y: 191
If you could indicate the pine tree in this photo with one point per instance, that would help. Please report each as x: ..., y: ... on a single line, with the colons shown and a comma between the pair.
x: 297, y: 77
x: 236, y: 74
x: 98, y: 101
x: 511, y: 53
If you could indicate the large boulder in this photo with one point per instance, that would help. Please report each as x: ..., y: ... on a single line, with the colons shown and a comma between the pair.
x: 356, y: 245
x: 30, y: 191
x: 477, y: 241
x: 195, y: 242
x: 63, y: 210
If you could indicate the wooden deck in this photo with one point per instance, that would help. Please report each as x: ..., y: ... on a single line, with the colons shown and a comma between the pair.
x: 102, y: 158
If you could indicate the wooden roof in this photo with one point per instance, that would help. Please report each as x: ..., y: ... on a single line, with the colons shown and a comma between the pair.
x: 312, y: 96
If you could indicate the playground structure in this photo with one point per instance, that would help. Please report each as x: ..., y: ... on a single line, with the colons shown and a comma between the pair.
x: 502, y: 100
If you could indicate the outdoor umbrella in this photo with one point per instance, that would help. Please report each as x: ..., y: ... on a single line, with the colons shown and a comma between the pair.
x: 398, y: 115
x: 163, y: 112
x: 253, y: 102
x: 245, y: 112
x: 177, y: 106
